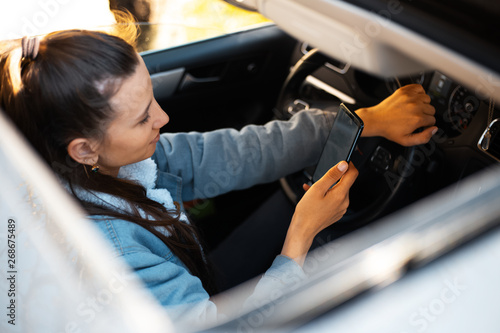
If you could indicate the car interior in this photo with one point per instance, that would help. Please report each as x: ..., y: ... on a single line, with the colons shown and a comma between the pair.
x: 258, y: 75
x: 273, y: 71
x: 409, y: 206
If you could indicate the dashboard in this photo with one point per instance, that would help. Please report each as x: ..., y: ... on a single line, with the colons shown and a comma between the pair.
x: 468, y: 139
x: 465, y: 118
x: 456, y: 106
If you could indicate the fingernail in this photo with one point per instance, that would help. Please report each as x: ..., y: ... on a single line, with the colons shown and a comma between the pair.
x: 342, y: 166
x: 434, y: 131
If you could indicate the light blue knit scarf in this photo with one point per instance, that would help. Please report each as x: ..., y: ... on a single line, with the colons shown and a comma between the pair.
x: 144, y: 173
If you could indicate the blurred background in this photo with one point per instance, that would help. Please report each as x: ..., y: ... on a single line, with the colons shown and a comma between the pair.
x: 163, y: 23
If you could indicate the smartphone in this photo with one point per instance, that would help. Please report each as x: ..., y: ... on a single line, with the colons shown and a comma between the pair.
x: 341, y: 142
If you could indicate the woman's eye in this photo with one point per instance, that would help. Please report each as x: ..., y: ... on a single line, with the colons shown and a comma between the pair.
x: 145, y: 120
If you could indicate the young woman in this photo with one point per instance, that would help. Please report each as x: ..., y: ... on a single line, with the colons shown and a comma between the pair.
x: 85, y: 101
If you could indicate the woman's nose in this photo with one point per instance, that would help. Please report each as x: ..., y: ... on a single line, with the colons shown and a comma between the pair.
x: 162, y: 117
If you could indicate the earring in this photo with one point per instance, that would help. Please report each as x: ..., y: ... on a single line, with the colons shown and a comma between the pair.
x: 95, y: 168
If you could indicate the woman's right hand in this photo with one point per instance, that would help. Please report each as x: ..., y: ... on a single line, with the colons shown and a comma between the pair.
x: 321, y: 206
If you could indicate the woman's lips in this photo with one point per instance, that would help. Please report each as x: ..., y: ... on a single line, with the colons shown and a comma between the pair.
x: 156, y: 139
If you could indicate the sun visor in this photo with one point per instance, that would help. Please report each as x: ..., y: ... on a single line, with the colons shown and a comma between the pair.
x: 345, y: 32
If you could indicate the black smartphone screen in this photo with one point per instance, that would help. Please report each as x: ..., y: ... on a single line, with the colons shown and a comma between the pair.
x: 341, y: 141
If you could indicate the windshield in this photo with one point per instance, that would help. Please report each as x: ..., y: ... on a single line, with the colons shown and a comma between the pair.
x: 162, y: 23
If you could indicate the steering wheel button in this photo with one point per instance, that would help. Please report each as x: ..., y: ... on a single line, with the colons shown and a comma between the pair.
x: 381, y: 158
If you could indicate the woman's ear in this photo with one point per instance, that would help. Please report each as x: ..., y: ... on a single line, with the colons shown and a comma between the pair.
x: 82, y: 152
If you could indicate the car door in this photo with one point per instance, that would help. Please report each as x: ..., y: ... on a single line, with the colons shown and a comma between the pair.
x: 227, y: 81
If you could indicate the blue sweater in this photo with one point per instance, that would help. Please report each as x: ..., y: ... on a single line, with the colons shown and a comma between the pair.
x: 196, y: 165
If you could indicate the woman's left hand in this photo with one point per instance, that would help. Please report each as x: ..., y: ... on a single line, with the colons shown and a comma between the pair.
x: 398, y: 117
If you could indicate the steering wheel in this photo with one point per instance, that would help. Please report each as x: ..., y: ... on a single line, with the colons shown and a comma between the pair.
x: 384, y: 166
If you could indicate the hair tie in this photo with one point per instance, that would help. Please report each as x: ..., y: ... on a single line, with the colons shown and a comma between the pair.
x: 30, y: 46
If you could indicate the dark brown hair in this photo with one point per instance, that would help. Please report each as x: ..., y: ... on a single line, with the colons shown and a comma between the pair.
x: 55, y: 98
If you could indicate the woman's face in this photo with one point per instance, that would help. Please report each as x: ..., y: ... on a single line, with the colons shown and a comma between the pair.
x: 133, y: 133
